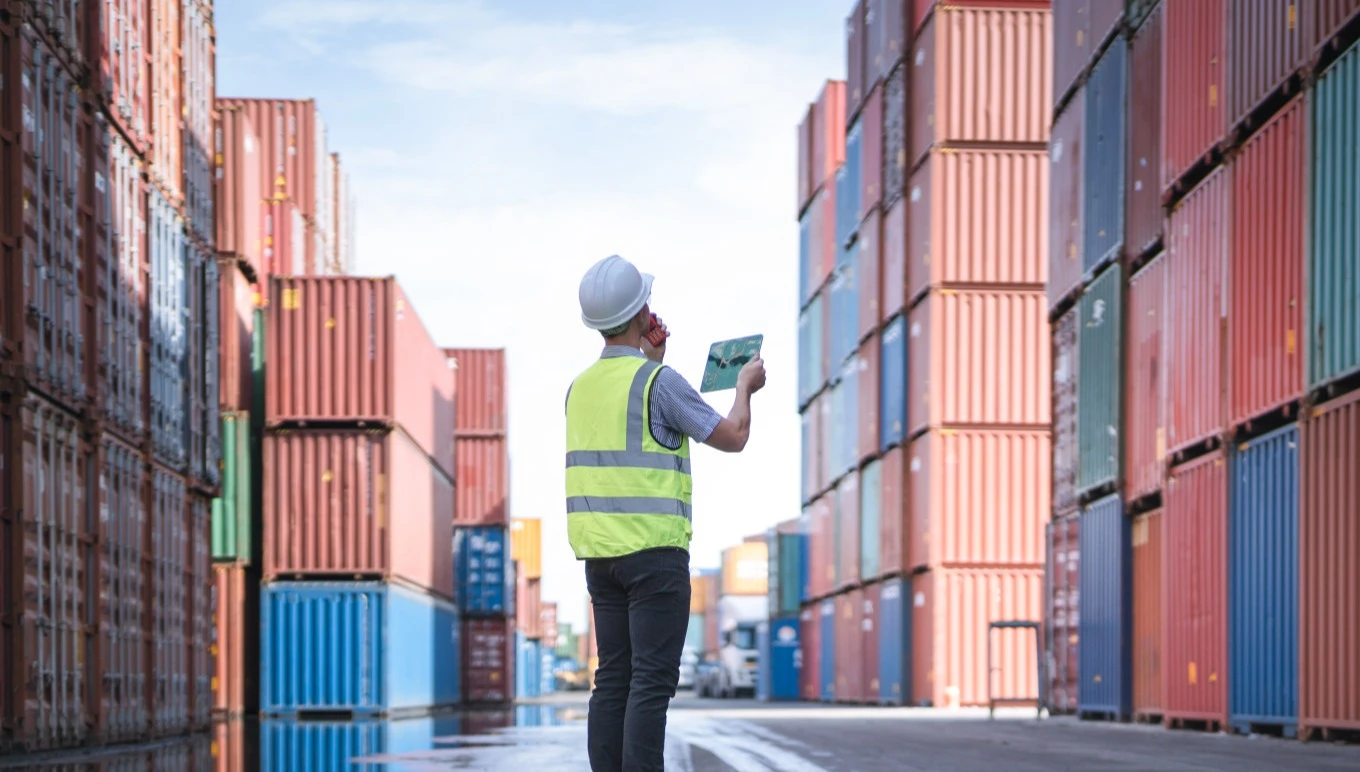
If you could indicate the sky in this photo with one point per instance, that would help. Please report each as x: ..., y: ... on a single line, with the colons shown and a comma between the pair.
x: 498, y: 149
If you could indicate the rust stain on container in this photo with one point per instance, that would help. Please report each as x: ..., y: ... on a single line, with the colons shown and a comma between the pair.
x: 1065, y: 229
x: 1145, y: 384
x: 235, y: 649
x: 1064, y: 612
x: 353, y: 350
x: 1194, y: 117
x: 1147, y: 614
x: 977, y: 358
x: 345, y: 502
x: 977, y: 217
x: 1266, y: 268
x: 1195, y: 591
x: 978, y: 497
x: 1329, y: 567
x: 1143, y: 215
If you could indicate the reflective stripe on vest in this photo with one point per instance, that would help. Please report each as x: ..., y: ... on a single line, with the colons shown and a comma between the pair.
x: 633, y: 455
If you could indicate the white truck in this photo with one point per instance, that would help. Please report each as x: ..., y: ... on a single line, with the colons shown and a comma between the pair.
x: 735, y: 674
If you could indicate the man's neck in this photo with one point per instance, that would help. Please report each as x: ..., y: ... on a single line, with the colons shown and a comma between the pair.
x: 632, y: 340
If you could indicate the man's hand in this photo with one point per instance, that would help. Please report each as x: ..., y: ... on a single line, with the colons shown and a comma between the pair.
x: 752, y: 376
x: 656, y: 353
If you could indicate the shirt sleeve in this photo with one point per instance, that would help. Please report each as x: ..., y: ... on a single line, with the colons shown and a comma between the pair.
x: 679, y: 407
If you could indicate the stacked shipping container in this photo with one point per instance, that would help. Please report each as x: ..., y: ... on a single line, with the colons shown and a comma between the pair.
x: 526, y: 551
x: 924, y: 357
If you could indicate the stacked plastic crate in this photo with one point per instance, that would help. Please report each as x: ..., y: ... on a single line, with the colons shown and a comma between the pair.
x: 484, y: 566
x: 526, y: 552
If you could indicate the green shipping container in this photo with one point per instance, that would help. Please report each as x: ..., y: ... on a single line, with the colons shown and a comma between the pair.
x: 1334, y: 250
x: 694, y: 635
x: 870, y: 520
x: 231, y: 514
x: 1100, y: 384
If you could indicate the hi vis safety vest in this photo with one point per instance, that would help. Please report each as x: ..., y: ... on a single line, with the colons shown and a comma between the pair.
x: 626, y: 492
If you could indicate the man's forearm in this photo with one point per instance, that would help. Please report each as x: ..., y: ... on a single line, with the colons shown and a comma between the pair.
x: 741, y: 415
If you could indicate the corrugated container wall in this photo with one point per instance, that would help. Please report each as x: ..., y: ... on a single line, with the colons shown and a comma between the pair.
x: 1066, y: 380
x: 293, y: 163
x: 848, y: 190
x: 892, y: 385
x: 1322, y: 20
x: 809, y: 641
x: 978, y: 497
x: 849, y: 649
x: 1195, y: 309
x: 481, y: 387
x: 981, y: 75
x: 168, y: 669
x: 1148, y: 549
x: 236, y: 645
x: 199, y: 53
x: 829, y: 638
x: 121, y: 382
x: 122, y: 580
x: 1333, y: 289
x: 1144, y: 435
x: 871, y: 154
x: 1103, y: 159
x: 233, y: 513
x: 869, y: 380
x: 1143, y: 215
x: 828, y: 137
x: 1329, y: 538
x: 977, y: 217
x: 1063, y: 613
x: 167, y: 141
x: 236, y: 325
x: 894, y: 547
x: 847, y: 532
x: 1194, y: 118
x: 482, y: 496
x: 1263, y: 581
x: 895, y: 169
x: 978, y: 357
x: 871, y: 609
x: 804, y: 162
x: 856, y: 89
x: 1195, y: 595
x: 119, y: 71
x: 895, y: 258
x: 1099, y: 416
x: 869, y: 271
x: 239, y: 186
x: 894, y: 643
x: 486, y: 574
x: 529, y: 606
x: 1065, y: 229
x: 526, y: 546
x: 1265, y: 47
x: 1265, y: 268
x: 1105, y: 611
x: 871, y: 520
x: 1072, y: 46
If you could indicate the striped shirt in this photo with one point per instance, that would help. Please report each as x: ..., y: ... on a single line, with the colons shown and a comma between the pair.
x: 677, y: 411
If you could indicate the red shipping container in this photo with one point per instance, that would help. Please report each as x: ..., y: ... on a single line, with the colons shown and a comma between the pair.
x: 169, y: 667
x: 1072, y: 48
x: 293, y: 161
x: 810, y: 645
x: 1195, y: 308
x: 951, y: 612
x: 480, y: 383
x: 978, y: 358
x: 1063, y: 614
x: 847, y: 533
x: 869, y: 641
x: 868, y: 273
x: 871, y: 154
x: 981, y: 75
x: 896, y: 15
x: 1322, y: 20
x: 238, y: 187
x: 1265, y: 47
x: 1329, y: 538
x: 1143, y: 215
x: 237, y: 330
x: 1266, y: 268
x: 1147, y: 614
x: 893, y: 546
x: 978, y: 497
x: 875, y: 19
x: 355, y: 503
x: 893, y: 282
x: 167, y: 105
x: 118, y: 45
x: 868, y: 383
x: 529, y: 606
x: 489, y: 661
x: 805, y: 186
x: 822, y: 547
x: 235, y: 647
x: 849, y: 649
x: 855, y: 88
x: 921, y: 9
x: 822, y: 236
x: 1145, y: 381
x: 1193, y: 116
x: 483, y: 481
x: 1195, y: 591
x: 828, y: 135
x: 1065, y: 269
x: 357, y: 352
x: 977, y: 217
x: 283, y: 244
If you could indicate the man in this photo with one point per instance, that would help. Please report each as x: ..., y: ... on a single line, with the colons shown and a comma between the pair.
x: 629, y: 422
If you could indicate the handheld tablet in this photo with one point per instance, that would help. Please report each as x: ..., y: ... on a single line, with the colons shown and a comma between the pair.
x: 725, y: 360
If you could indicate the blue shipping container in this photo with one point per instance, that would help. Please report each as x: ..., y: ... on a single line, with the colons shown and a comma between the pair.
x: 486, y: 580
x: 1104, y: 630
x: 845, y: 419
x: 805, y: 256
x: 894, y: 643
x: 827, y: 666
x: 844, y: 322
x: 528, y: 660
x: 1103, y: 159
x: 365, y: 647
x: 547, y: 679
x: 780, y: 660
x: 811, y: 349
x: 848, y: 183
x: 1263, y: 582
x: 892, y: 390
x: 763, y: 671
x: 293, y: 746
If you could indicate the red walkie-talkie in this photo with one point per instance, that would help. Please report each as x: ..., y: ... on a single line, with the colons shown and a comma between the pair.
x: 656, y: 335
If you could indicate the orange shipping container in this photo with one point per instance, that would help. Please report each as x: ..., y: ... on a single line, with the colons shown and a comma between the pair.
x: 167, y: 144
x: 978, y: 358
x: 698, y: 593
x: 236, y: 309
x: 951, y: 612
x: 526, y: 546
x: 978, y: 497
x: 746, y: 569
x: 1147, y: 615
x: 236, y: 646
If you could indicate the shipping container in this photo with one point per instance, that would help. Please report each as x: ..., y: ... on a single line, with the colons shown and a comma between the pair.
x: 868, y: 381
x: 238, y: 186
x: 1066, y: 202
x: 119, y: 290
x: 203, y: 382
x: 809, y: 638
x: 234, y: 746
x: 320, y: 325
x: 698, y: 594
x: 871, y: 154
x: 820, y: 220
x: 822, y: 546
x: 871, y: 520
x: 167, y: 107
x: 1329, y: 538
x: 978, y: 357
x: 788, y: 566
x: 828, y: 139
x: 550, y: 627
x: 481, y: 379
x: 1104, y: 625
x: 293, y: 157
x: 345, y: 219
x: 829, y: 636
x: 526, y: 546
x: 482, y: 496
x: 283, y: 245
x: 844, y: 433
x: 236, y: 644
x: 1265, y: 267
x: 1194, y: 118
x: 745, y: 569
x: 1195, y: 312
x: 856, y: 88
x: 1322, y: 21
x: 921, y: 10
x: 1147, y: 593
x: 813, y: 353
x: 780, y: 663
x: 868, y: 632
x: 868, y: 274
x: 849, y: 188
x: 528, y: 605
x: 169, y: 334
x: 849, y: 654
x: 1265, y: 49
x: 236, y: 329
x: 981, y: 75
x: 363, y: 746
x: 978, y: 497
x: 977, y: 217
x: 1195, y: 593
x: 359, y: 647
x: 169, y: 668
x: 1066, y: 397
x: 814, y: 448
x: 847, y: 532
x: 1263, y: 582
x: 894, y: 642
x: 488, y: 661
x: 895, y: 171
x: 1099, y: 386
x: 893, y: 284
x: 1144, y: 434
x: 123, y: 579
x: 952, y: 610
x: 892, y: 387
x: 804, y: 162
x: 1333, y: 286
x: 486, y: 577
x: 199, y: 89
x: 894, y: 528
x: 805, y: 268
x: 1063, y: 612
x: 1143, y: 215
x: 359, y: 503
x: 119, y: 70
x: 1072, y: 49
x: 233, y: 526
x: 1103, y: 158
x: 527, y: 663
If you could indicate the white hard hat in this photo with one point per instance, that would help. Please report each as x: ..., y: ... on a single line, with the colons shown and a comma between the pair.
x: 612, y: 292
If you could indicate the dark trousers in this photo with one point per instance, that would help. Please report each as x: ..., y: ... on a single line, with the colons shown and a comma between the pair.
x: 641, y: 615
